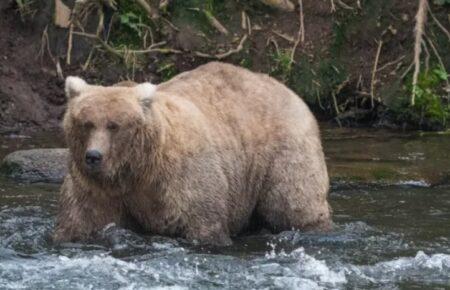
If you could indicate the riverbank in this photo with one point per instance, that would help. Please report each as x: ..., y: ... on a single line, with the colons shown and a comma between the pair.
x: 351, y: 64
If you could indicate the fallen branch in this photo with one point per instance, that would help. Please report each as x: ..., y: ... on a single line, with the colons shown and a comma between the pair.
x: 69, y: 45
x: 212, y: 20
x: 122, y: 53
x: 170, y: 24
x: 343, y: 5
x: 225, y: 54
x: 233, y: 51
x: 386, y: 65
x: 284, y: 36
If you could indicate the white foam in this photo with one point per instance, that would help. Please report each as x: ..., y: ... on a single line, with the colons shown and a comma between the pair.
x: 421, y: 261
x: 307, y: 267
x: 418, y: 183
x: 280, y: 269
x: 422, y: 267
x: 318, y: 270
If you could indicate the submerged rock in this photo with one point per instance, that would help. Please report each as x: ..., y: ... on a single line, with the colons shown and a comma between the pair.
x: 36, y: 165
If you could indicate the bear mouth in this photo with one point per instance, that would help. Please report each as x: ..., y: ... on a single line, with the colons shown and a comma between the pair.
x: 94, y: 172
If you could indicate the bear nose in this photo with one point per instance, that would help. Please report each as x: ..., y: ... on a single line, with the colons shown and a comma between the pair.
x: 93, y: 157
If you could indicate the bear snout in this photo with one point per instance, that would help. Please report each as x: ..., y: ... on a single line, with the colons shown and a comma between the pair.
x: 93, y: 158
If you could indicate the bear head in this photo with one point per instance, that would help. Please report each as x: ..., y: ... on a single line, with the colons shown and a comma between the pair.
x: 105, y: 127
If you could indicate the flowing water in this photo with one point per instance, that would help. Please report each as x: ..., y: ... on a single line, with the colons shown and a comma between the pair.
x: 385, y: 237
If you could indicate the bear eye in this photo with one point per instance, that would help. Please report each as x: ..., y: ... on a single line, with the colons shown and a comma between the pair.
x: 88, y: 125
x: 113, y: 126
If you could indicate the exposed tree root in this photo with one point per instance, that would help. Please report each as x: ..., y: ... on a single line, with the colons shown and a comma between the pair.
x: 439, y: 24
x: 45, y: 46
x: 438, y: 57
x: 374, y: 71
x: 419, y: 33
x: 301, y: 33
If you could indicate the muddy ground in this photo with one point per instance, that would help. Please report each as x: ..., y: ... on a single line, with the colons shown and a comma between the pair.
x: 344, y: 41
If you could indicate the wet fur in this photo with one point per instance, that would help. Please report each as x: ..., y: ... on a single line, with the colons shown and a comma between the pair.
x: 216, y: 146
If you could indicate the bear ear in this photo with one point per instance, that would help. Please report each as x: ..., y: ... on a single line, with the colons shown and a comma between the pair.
x: 74, y: 86
x: 145, y: 92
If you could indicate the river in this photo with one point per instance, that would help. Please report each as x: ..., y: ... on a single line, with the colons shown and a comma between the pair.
x: 392, y: 231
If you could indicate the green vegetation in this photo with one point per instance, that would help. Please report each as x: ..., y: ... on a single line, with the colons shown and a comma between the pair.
x: 314, y: 82
x: 336, y: 74
x: 133, y: 28
x: 26, y: 8
x: 432, y: 107
x: 167, y: 70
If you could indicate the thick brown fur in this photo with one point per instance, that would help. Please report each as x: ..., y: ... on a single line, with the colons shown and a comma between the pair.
x: 214, y: 147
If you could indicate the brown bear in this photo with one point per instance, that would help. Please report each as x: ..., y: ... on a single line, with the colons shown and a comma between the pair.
x: 195, y: 157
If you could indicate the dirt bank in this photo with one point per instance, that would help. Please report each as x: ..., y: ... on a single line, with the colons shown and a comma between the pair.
x: 332, y: 68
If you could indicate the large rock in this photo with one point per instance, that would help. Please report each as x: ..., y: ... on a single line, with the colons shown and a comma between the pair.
x: 36, y: 165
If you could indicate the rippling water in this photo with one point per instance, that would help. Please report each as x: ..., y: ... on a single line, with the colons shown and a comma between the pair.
x: 385, y: 237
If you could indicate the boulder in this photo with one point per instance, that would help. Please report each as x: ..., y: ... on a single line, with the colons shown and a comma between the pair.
x: 36, y: 165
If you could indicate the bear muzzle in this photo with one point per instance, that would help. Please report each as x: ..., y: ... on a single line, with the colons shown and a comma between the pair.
x: 93, y: 159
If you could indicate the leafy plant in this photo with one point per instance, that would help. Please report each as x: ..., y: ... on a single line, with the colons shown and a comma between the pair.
x: 133, y: 22
x: 25, y: 8
x: 282, y: 65
x: 432, y: 108
x: 131, y: 27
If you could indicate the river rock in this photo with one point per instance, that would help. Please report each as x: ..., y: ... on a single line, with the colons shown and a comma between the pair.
x: 36, y: 165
